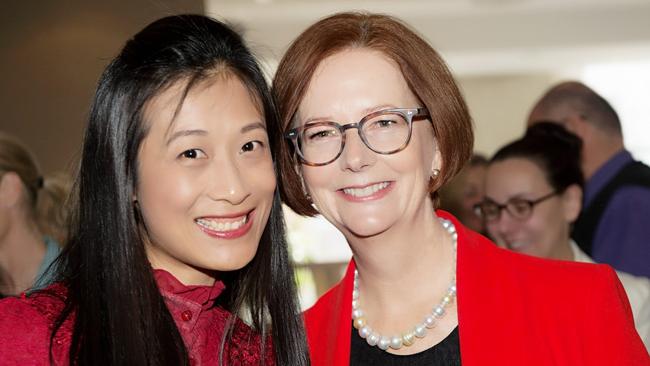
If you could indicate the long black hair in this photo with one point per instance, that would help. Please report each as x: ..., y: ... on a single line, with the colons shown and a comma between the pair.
x: 120, y: 317
x: 553, y: 149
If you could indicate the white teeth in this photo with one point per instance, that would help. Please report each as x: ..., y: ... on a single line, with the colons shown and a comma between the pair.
x: 367, y: 191
x: 214, y: 224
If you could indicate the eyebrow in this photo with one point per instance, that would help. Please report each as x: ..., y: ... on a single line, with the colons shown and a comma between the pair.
x: 518, y: 196
x: 253, y: 126
x: 365, y: 112
x: 184, y: 133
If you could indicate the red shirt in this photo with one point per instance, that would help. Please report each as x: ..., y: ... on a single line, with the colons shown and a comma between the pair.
x: 25, y: 326
x: 512, y: 310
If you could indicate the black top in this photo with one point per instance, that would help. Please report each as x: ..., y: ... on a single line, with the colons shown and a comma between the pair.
x: 445, y: 353
x: 584, y: 229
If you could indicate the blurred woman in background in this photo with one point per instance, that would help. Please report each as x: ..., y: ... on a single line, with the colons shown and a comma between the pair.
x: 177, y: 229
x: 461, y: 194
x: 33, y: 216
x: 534, y: 194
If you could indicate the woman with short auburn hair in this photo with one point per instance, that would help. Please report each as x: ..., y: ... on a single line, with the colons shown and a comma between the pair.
x: 421, y: 289
x: 423, y: 69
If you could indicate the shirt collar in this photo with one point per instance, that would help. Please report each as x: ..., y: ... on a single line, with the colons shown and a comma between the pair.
x: 578, y: 254
x: 200, y: 294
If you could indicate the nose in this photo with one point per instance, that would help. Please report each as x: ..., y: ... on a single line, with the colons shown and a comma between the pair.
x: 356, y: 156
x: 503, y: 227
x: 227, y: 183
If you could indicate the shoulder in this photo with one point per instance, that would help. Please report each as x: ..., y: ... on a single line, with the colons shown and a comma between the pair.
x: 633, y: 188
x: 578, y: 304
x: 326, y: 301
x: 39, y: 307
x: 332, y: 299
x: 629, y: 203
x: 528, y: 275
x: 636, y: 287
x: 328, y: 323
x: 25, y: 327
x: 638, y: 293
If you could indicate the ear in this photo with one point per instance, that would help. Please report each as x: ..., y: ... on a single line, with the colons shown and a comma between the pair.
x: 436, y: 162
x: 572, y: 202
x: 11, y: 188
x: 576, y: 125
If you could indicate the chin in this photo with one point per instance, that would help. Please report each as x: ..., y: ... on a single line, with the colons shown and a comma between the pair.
x: 232, y: 261
x: 365, y: 231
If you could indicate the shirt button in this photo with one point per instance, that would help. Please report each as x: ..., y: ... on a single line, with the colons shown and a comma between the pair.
x: 186, y: 315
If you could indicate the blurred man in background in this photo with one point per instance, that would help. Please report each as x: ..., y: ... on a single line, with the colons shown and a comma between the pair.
x: 614, y: 226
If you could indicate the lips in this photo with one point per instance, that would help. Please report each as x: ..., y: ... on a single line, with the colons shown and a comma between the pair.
x: 367, y: 192
x: 227, y: 226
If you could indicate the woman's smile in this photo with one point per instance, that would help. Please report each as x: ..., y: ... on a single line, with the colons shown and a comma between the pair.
x: 368, y: 192
x: 228, y: 226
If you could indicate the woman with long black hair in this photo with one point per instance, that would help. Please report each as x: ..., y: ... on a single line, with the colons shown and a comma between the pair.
x: 169, y: 238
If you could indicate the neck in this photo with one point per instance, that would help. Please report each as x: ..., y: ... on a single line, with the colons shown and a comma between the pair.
x: 21, y: 253
x: 564, y: 252
x: 418, y: 252
x: 597, y: 152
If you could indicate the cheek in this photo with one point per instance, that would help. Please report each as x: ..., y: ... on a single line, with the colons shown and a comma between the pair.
x: 318, y: 178
x: 261, y: 178
x: 548, y: 227
x: 416, y: 159
x: 164, y: 191
x: 492, y: 228
x: 536, y: 229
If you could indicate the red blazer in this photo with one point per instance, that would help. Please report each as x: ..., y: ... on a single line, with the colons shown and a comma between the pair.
x: 512, y: 310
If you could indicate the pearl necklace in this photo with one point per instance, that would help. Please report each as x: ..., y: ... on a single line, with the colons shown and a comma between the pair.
x: 420, y: 330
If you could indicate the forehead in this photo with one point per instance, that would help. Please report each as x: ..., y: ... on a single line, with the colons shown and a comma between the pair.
x: 475, y: 173
x: 514, y: 176
x: 183, y: 103
x: 354, y: 80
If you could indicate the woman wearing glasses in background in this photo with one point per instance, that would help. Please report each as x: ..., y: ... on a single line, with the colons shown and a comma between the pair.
x: 534, y: 193
x: 375, y: 125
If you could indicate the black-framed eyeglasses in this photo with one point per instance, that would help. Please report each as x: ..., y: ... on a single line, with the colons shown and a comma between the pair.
x: 518, y: 208
x: 385, y: 132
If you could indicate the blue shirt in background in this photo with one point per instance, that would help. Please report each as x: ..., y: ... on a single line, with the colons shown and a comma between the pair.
x: 622, y: 238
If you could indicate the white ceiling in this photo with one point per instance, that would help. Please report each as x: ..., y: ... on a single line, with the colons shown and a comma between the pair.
x: 474, y: 36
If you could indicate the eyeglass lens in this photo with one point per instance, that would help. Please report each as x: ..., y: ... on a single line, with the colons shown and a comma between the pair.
x: 517, y: 208
x: 384, y: 133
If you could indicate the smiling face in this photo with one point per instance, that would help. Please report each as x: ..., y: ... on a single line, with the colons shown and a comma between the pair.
x: 364, y: 193
x: 206, y: 180
x: 546, y: 232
